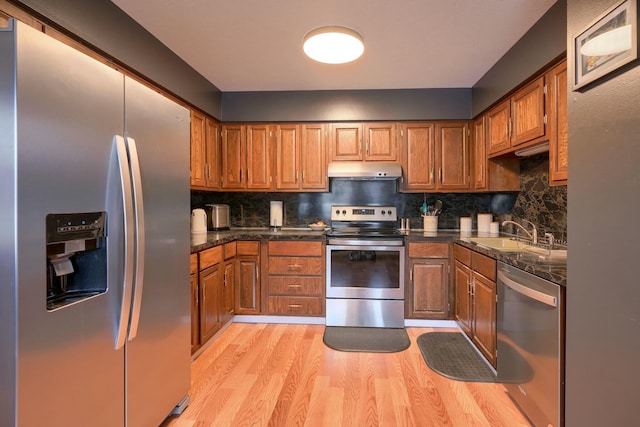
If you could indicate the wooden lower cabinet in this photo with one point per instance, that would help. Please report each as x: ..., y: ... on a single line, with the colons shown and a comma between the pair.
x: 427, y: 296
x: 210, y: 280
x: 247, y: 292
x: 295, y: 283
x: 475, y: 308
x: 195, y: 303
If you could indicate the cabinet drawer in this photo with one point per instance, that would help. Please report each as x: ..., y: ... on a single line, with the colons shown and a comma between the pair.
x: 296, y: 265
x: 229, y: 250
x: 462, y: 254
x: 484, y: 265
x: 295, y: 285
x: 209, y: 257
x: 302, y: 248
x: 299, y: 306
x: 248, y: 247
x: 193, y: 263
x: 429, y: 250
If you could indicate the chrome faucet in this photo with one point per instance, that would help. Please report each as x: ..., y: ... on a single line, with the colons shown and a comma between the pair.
x: 534, y: 231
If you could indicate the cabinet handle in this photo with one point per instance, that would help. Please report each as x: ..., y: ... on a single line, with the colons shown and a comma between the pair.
x: 510, y: 128
x: 294, y: 266
x: 295, y: 285
x: 295, y: 305
x: 296, y: 176
x: 431, y: 175
x: 440, y: 175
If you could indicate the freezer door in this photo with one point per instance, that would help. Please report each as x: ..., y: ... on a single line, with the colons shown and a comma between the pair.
x: 158, y: 350
x: 69, y: 107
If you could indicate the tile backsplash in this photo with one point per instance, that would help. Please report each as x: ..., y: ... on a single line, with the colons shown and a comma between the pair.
x: 537, y: 201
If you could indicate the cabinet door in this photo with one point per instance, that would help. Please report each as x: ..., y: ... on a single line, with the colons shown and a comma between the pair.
x: 198, y: 150
x: 419, y: 165
x: 484, y: 316
x: 429, y: 296
x: 259, y: 147
x: 212, y: 173
x: 314, y: 157
x: 210, y: 280
x: 556, y: 81
x: 497, y: 124
x: 527, y: 113
x: 346, y: 141
x: 233, y: 141
x: 247, y: 299
x: 452, y: 149
x: 479, y: 157
x: 380, y: 143
x: 195, y: 318
x: 227, y: 292
x: 462, y: 287
x: 287, y: 157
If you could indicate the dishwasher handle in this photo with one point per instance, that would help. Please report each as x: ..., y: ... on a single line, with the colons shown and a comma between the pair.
x: 524, y: 290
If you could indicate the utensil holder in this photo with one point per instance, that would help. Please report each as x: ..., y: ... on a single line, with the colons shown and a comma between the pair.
x: 430, y: 222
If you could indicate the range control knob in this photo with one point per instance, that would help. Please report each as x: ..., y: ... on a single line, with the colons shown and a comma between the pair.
x: 337, y: 211
x: 383, y: 212
x: 344, y: 212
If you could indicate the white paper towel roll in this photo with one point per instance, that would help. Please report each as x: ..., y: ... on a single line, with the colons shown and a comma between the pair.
x: 483, y: 222
x: 276, y: 214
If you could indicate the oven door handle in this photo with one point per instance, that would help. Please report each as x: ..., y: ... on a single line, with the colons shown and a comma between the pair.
x: 528, y: 292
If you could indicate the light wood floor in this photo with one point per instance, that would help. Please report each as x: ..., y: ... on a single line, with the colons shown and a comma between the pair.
x: 283, y: 375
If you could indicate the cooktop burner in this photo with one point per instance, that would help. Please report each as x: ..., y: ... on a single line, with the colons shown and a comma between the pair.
x: 364, y: 221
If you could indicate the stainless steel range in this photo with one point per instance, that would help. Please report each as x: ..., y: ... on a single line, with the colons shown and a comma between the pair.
x: 365, y: 268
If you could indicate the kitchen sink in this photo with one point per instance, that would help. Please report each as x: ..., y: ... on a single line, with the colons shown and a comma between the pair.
x: 506, y: 244
x: 503, y: 244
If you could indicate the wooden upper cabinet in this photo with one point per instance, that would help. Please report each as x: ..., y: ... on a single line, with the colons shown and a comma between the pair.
x: 497, y: 124
x: 205, y: 151
x: 198, y: 149
x: 363, y: 141
x: 380, y: 143
x: 452, y: 151
x: 479, y: 179
x: 517, y: 120
x: 527, y: 113
x: 346, y: 141
x: 419, y: 156
x: 287, y: 157
x: 259, y: 148
x: 301, y: 159
x: 556, y: 81
x: 233, y: 156
x: 313, y: 153
x: 212, y: 176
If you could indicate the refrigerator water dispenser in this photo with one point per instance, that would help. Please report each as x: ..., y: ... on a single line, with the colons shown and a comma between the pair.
x: 76, y: 257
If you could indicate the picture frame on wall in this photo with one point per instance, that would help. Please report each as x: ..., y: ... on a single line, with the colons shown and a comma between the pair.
x: 606, y: 44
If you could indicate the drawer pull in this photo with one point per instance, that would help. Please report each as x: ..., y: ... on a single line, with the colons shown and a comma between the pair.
x: 295, y: 305
x: 295, y: 285
x: 292, y: 266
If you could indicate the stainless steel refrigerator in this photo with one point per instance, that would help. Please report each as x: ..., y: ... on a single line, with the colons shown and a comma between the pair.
x: 94, y: 241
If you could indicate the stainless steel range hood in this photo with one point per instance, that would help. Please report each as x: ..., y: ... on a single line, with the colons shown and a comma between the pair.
x: 364, y: 170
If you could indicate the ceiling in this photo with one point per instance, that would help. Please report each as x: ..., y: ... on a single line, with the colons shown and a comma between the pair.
x: 256, y: 45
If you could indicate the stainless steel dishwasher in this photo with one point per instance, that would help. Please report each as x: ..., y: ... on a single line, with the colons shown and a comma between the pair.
x: 531, y: 344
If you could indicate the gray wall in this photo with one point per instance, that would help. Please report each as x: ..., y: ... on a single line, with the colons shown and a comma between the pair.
x: 603, y: 294
x: 103, y: 25
x: 543, y: 43
x: 401, y: 104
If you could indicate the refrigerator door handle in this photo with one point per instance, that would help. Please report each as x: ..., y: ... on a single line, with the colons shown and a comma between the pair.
x: 138, y: 205
x: 129, y: 247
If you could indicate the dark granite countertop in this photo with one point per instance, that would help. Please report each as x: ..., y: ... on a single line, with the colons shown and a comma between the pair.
x: 554, y: 271
x: 214, y: 238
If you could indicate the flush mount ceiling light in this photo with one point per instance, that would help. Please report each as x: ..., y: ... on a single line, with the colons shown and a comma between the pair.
x: 333, y: 45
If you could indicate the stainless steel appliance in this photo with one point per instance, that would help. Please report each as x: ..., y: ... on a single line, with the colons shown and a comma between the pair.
x: 218, y: 217
x: 94, y: 226
x: 531, y: 344
x: 365, y: 268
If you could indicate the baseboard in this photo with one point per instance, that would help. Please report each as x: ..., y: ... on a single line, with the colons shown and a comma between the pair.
x: 307, y: 320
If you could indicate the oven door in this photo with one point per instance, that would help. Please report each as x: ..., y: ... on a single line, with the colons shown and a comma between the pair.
x: 361, y: 270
